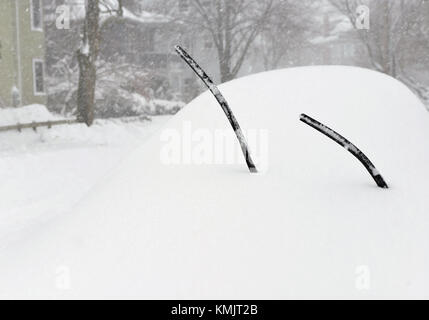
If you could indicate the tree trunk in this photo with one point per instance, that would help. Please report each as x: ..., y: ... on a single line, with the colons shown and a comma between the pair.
x: 225, y: 72
x: 87, y: 57
x: 86, y: 89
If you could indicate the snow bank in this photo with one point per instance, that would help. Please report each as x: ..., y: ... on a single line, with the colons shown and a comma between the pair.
x: 27, y: 114
x: 166, y: 106
x: 104, y: 132
x: 313, y: 225
x: 101, y: 133
x: 44, y: 173
x: 156, y: 106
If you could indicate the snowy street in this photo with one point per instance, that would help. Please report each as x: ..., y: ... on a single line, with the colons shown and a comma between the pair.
x: 44, y: 173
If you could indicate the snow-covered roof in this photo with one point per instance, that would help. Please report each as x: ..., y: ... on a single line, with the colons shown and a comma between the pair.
x: 176, y: 220
x: 323, y: 39
x: 107, y: 7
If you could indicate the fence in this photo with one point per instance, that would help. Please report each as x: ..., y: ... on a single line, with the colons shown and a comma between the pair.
x: 35, y: 125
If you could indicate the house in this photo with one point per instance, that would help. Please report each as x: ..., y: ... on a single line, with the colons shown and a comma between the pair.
x: 148, y: 41
x: 331, y: 39
x: 338, y: 43
x: 146, y: 38
x: 140, y: 38
x: 22, y: 64
x: 335, y: 43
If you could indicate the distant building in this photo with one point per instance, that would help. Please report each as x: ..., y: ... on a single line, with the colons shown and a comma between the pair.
x: 338, y: 44
x: 141, y: 38
x: 22, y: 65
x: 148, y: 41
x: 333, y: 40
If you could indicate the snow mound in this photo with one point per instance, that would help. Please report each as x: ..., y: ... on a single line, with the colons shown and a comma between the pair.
x: 27, y: 114
x: 44, y: 173
x: 177, y: 221
x: 156, y: 106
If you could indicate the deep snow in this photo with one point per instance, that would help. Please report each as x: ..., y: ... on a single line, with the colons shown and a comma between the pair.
x: 45, y: 173
x: 26, y: 114
x: 312, y: 225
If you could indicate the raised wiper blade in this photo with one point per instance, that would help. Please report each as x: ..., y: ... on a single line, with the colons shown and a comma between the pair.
x: 222, y: 102
x: 375, y: 174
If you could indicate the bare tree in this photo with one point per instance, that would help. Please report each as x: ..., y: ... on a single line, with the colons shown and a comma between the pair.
x: 395, y: 27
x: 392, y: 25
x: 233, y: 26
x: 287, y: 30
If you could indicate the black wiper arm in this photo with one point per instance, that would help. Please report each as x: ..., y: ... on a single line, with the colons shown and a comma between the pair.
x: 375, y: 174
x: 224, y: 105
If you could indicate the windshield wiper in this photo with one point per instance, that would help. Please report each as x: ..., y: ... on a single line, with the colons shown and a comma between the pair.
x: 375, y: 174
x: 222, y: 102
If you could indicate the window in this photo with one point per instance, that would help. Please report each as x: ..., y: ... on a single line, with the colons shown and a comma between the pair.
x: 38, y: 77
x: 36, y: 15
x: 183, y: 5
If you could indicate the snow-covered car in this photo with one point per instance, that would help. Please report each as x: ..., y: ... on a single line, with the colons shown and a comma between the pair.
x: 182, y: 217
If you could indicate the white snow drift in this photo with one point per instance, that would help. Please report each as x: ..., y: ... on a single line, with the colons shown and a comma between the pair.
x: 27, y: 114
x: 44, y: 173
x: 313, y: 225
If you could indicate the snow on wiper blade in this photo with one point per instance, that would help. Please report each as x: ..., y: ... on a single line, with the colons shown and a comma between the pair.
x: 375, y: 174
x: 222, y: 102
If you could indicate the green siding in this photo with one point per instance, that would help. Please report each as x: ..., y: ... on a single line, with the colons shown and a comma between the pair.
x: 32, y: 47
x: 7, y: 61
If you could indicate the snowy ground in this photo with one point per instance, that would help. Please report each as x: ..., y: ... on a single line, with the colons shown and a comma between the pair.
x: 171, y: 221
x: 26, y: 114
x: 45, y: 173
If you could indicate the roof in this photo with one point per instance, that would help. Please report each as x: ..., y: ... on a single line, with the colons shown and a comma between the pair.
x: 77, y: 12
